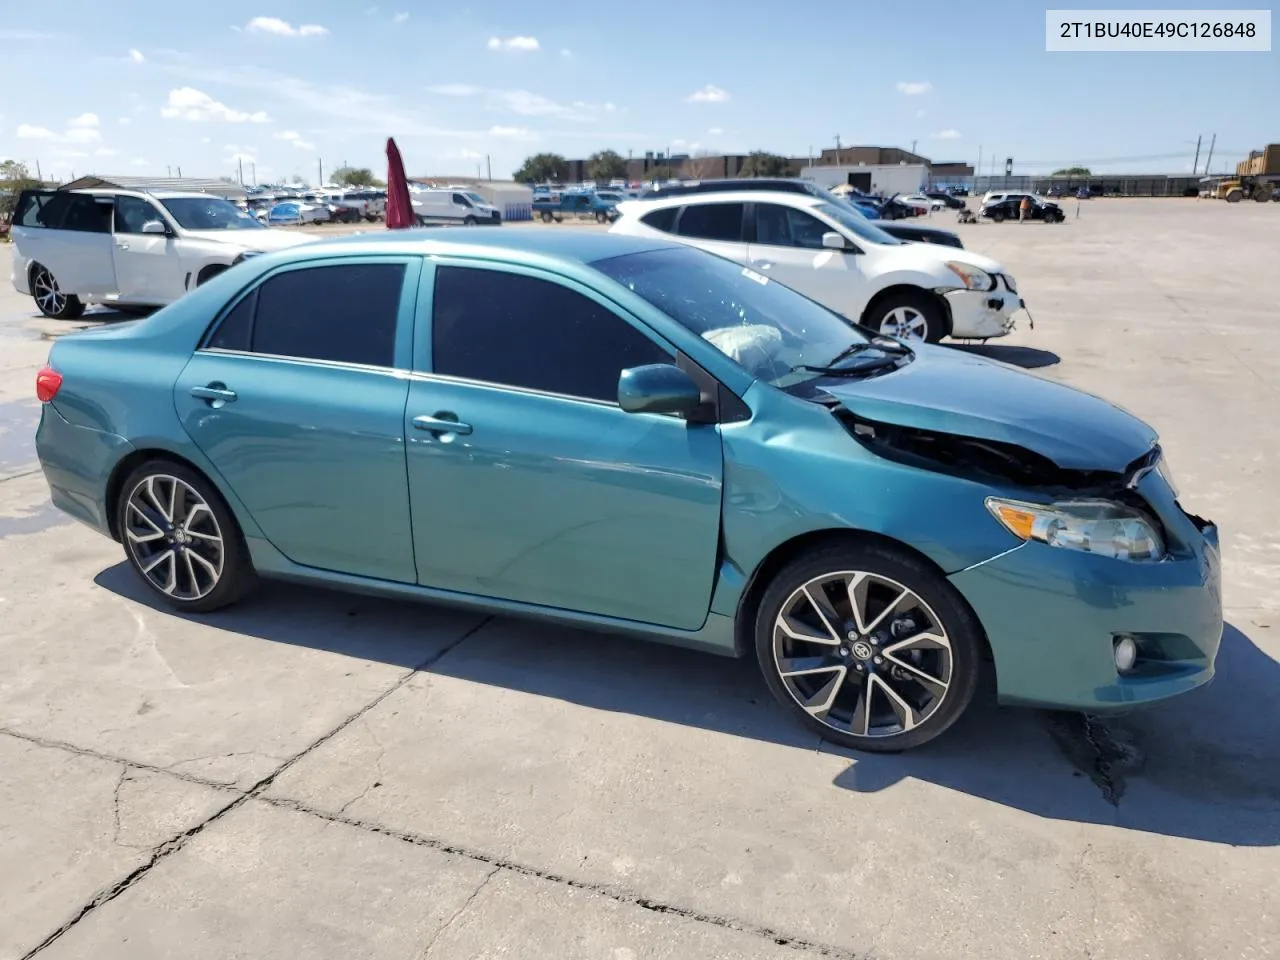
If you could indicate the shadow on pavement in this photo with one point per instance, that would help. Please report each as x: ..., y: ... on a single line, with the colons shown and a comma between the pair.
x: 1029, y: 358
x: 1205, y: 767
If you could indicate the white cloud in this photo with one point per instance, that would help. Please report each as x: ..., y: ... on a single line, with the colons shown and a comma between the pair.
x: 456, y: 90
x: 471, y: 154
x: 400, y: 18
x: 513, y: 43
x: 609, y: 106
x: 914, y: 89
x: 136, y: 56
x: 84, y: 121
x: 715, y: 131
x: 708, y: 94
x: 137, y: 162
x: 105, y: 152
x: 82, y: 129
x: 948, y: 134
x: 566, y: 52
x: 512, y: 133
x: 282, y: 28
x: 206, y: 139
x: 28, y: 132
x: 292, y: 136
x: 125, y: 121
x: 187, y: 103
x: 26, y: 35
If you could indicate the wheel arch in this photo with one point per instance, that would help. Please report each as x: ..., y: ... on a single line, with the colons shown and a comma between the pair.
x: 211, y: 270
x: 787, y: 551
x: 914, y: 289
x: 137, y: 457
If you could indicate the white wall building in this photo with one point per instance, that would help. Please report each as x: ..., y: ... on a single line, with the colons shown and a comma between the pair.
x: 887, y: 179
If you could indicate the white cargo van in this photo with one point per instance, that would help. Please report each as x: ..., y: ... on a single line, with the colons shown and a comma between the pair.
x: 433, y: 206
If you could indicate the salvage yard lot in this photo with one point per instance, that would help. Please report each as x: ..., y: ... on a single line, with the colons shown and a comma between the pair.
x: 319, y: 775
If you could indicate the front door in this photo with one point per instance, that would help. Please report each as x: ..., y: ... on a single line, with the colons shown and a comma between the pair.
x: 545, y: 491
x: 146, y: 264
x: 297, y: 399
x: 788, y: 248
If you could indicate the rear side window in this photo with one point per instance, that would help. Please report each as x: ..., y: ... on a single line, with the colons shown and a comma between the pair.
x: 66, y: 211
x: 518, y: 331
x: 344, y: 313
x: 712, y: 221
x: 664, y: 219
x: 30, y: 211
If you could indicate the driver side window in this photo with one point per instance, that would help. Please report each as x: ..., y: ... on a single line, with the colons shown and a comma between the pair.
x: 781, y: 226
x: 132, y: 213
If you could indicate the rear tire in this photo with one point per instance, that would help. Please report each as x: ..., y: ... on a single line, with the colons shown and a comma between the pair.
x: 181, y: 538
x: 49, y: 298
x: 886, y: 676
x: 546, y: 217
x: 468, y: 221
x: 998, y: 217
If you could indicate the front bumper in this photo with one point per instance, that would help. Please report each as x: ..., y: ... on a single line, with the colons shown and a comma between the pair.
x: 1052, y: 616
x: 982, y: 315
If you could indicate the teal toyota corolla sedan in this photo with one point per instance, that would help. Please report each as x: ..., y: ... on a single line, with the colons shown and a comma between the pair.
x: 628, y: 434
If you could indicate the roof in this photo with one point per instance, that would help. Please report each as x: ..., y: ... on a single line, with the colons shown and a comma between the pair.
x: 153, y: 184
x: 790, y: 197
x: 557, y: 243
x: 156, y: 194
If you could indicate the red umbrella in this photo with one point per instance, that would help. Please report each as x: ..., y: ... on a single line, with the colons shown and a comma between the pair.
x: 399, y: 205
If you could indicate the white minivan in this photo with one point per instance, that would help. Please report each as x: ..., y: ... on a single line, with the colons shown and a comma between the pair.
x: 833, y: 255
x: 128, y: 249
x: 466, y: 207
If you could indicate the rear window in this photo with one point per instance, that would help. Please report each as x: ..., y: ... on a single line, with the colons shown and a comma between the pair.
x: 712, y: 221
x: 664, y: 219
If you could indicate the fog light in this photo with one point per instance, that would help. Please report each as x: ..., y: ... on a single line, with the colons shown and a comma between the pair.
x: 1126, y: 654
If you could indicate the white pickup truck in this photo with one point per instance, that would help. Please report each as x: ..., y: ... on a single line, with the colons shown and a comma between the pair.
x: 128, y: 249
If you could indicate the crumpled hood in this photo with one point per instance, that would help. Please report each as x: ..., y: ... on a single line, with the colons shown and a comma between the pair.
x: 949, y: 391
x: 263, y: 241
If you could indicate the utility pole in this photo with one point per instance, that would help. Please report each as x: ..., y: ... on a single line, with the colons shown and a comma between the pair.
x: 1210, y: 160
x: 1196, y: 163
x: 320, y: 167
x: 253, y: 168
x: 240, y: 167
x: 837, y: 149
x: 168, y: 171
x: 179, y: 173
x: 913, y: 145
x: 978, y: 168
x: 39, y: 175
x: 488, y: 167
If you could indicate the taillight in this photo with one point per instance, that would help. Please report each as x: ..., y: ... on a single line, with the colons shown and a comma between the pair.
x: 48, y: 381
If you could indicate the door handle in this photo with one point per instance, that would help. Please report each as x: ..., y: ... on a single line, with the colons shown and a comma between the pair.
x: 762, y: 264
x: 121, y: 245
x: 214, y: 392
x: 442, y: 423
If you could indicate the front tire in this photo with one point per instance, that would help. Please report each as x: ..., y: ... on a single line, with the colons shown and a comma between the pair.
x: 998, y: 217
x: 868, y: 647
x: 468, y: 221
x: 49, y: 298
x: 907, y: 315
x: 181, y: 539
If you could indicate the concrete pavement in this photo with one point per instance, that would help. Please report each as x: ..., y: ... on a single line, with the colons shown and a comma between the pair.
x: 320, y: 775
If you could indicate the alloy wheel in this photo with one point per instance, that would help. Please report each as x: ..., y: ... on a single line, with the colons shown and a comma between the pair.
x: 862, y: 654
x: 173, y: 537
x: 906, y: 323
x: 48, y: 297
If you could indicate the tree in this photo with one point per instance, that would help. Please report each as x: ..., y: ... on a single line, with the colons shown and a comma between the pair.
x: 542, y: 167
x: 1072, y: 172
x: 356, y: 177
x: 701, y: 165
x: 606, y: 165
x: 659, y: 172
x: 14, y: 178
x: 761, y: 163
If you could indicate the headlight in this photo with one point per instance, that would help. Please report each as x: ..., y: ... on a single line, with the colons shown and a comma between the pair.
x: 972, y: 277
x: 1091, y: 526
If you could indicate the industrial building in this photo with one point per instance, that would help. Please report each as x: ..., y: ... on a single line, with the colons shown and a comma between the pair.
x: 1261, y: 163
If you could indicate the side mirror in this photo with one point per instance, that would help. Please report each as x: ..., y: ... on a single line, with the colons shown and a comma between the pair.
x: 834, y: 241
x: 658, y: 388
x: 154, y: 226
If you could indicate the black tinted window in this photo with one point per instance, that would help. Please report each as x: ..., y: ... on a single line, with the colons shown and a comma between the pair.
x: 523, y: 332
x: 346, y: 313
x: 781, y: 226
x: 712, y: 221
x: 75, y: 211
x: 664, y: 219
x: 31, y: 207
x: 235, y: 332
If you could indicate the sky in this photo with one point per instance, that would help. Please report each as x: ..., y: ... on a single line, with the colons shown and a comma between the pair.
x: 281, y: 86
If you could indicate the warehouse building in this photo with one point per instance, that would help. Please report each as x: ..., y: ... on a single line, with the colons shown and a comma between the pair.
x: 1261, y: 163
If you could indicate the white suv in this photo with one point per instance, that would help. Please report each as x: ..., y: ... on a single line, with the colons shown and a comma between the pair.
x: 128, y: 249
x: 843, y: 261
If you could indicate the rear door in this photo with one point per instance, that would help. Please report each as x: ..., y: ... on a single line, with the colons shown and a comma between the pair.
x: 297, y: 399
x: 146, y: 264
x: 787, y: 246
x: 70, y: 234
x: 714, y: 227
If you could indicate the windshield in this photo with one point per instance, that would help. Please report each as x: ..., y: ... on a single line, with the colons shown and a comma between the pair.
x: 852, y: 220
x: 209, y: 213
x: 476, y: 198
x: 767, y: 328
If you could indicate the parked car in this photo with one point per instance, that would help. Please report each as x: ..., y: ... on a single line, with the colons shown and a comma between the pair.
x: 127, y: 249
x: 575, y: 204
x: 946, y: 199
x: 432, y: 206
x: 296, y: 213
x: 1083, y: 194
x: 829, y: 253
x: 1009, y: 209
x: 919, y: 233
x: 894, y: 208
x: 690, y: 452
x: 925, y: 203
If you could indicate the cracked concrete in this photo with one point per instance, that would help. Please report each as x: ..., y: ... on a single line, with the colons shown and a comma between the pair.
x: 330, y: 776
